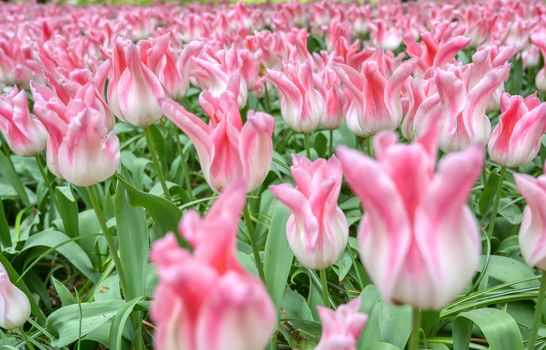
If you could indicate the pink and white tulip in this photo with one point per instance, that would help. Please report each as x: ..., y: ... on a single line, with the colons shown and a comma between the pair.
x: 341, y: 328
x: 516, y: 139
x: 227, y: 149
x: 317, y: 229
x: 418, y: 239
x: 205, y: 300
x: 14, y: 304
x: 23, y: 132
x: 532, y: 231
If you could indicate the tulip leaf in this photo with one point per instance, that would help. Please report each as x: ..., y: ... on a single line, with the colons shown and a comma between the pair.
x: 68, y: 209
x: 9, y: 173
x: 64, y: 323
x: 380, y: 346
x: 118, y: 323
x: 133, y: 243
x: 498, y: 327
x: 278, y: 256
x: 5, y: 236
x: 64, y: 294
x: 505, y: 270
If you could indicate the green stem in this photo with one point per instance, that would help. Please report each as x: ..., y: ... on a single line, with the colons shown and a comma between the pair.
x: 26, y: 338
x: 155, y: 160
x: 253, y: 241
x: 267, y: 105
x: 185, y: 169
x: 324, y: 283
x: 498, y: 191
x: 416, y: 329
x: 92, y: 191
x: 538, y: 313
x: 307, y: 147
x: 331, y: 143
x: 44, y: 176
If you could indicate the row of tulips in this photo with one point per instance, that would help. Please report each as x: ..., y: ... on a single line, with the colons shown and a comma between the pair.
x: 435, y: 72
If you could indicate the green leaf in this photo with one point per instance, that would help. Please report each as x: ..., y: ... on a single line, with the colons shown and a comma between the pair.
x: 383, y: 318
x: 68, y: 209
x: 380, y: 346
x: 505, y: 269
x: 486, y: 199
x: 119, y: 321
x: 5, y: 236
x: 133, y: 243
x: 64, y: 294
x: 498, y: 327
x: 8, y: 172
x: 278, y: 256
x: 66, y: 246
x: 64, y: 324
x: 166, y: 215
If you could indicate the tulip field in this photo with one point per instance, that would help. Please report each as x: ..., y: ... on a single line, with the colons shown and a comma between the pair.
x: 320, y: 175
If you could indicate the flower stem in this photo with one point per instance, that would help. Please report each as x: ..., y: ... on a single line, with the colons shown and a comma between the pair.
x: 26, y: 339
x: 253, y: 241
x: 324, y: 283
x: 416, y: 329
x: 155, y: 160
x: 331, y: 143
x: 498, y: 191
x: 307, y: 147
x: 185, y: 170
x: 92, y: 191
x: 538, y: 313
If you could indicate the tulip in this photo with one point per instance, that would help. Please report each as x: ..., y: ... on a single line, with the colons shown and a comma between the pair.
x: 418, y: 239
x: 14, y: 304
x: 532, y: 230
x: 317, y: 229
x: 516, y: 139
x: 227, y: 148
x: 81, y: 146
x: 302, y: 103
x: 341, y: 328
x: 24, y: 133
x: 205, y: 300
x: 134, y: 91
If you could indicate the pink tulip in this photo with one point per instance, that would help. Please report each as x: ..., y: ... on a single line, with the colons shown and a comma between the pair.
x: 317, y: 229
x: 23, y: 132
x: 374, y: 97
x: 419, y: 241
x: 341, y: 328
x: 81, y: 147
x: 539, y: 39
x: 14, y: 304
x: 205, y: 300
x: 134, y: 91
x: 335, y: 98
x: 301, y: 97
x: 516, y: 139
x: 227, y: 148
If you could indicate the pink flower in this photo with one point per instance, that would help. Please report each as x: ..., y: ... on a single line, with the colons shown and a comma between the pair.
x: 374, y: 97
x: 539, y: 39
x: 134, y: 91
x: 301, y: 96
x: 14, y: 304
x: 532, y: 231
x: 24, y: 133
x: 227, y: 148
x: 418, y: 239
x: 205, y: 300
x: 81, y: 147
x: 317, y: 229
x: 516, y: 139
x: 341, y: 328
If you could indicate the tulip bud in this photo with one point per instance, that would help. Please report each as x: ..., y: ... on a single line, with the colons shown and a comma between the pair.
x: 236, y: 312
x: 516, y: 139
x: 14, y: 304
x: 23, y: 132
x: 341, y: 328
x: 418, y: 239
x: 317, y: 229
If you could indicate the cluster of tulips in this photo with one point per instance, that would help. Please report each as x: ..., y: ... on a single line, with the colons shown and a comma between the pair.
x: 430, y: 73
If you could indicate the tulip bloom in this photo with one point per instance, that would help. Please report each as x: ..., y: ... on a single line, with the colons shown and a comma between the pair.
x: 532, y: 230
x: 516, y: 139
x: 227, y: 148
x: 205, y: 300
x: 301, y: 97
x: 317, y: 229
x: 134, y: 91
x: 81, y: 147
x: 24, y: 133
x: 418, y: 239
x: 14, y: 304
x: 341, y: 328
